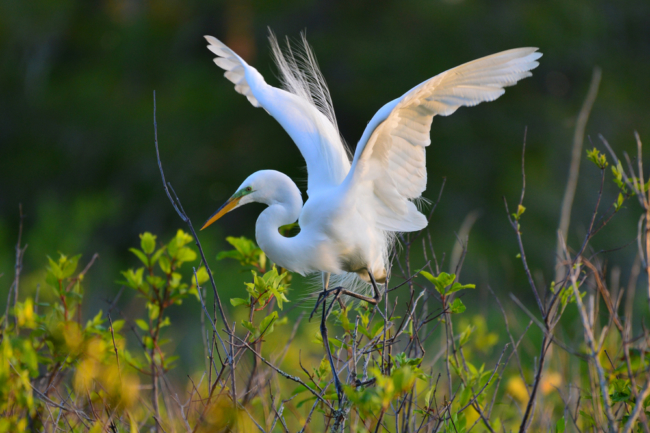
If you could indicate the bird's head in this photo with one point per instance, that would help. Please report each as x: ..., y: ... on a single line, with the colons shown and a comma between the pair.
x: 265, y: 186
x: 246, y: 193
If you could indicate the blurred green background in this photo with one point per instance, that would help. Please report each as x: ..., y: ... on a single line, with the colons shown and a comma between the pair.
x: 76, y: 133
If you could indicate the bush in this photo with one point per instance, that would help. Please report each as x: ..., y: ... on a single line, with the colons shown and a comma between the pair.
x: 423, y: 364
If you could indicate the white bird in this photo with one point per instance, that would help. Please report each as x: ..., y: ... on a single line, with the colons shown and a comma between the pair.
x: 355, y: 207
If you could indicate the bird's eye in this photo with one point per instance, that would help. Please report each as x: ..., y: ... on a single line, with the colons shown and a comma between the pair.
x: 249, y: 189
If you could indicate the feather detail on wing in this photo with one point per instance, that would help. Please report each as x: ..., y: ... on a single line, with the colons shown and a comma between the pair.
x: 390, y: 157
x: 234, y: 66
x: 304, y: 109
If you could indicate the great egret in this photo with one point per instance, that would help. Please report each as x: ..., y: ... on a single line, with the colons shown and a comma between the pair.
x: 354, y: 208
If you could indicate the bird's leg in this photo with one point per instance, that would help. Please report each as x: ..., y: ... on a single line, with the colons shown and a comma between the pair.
x: 378, y: 295
x: 326, y: 281
x: 326, y: 343
x: 323, y: 331
x: 376, y: 299
x: 323, y: 295
x: 341, y: 291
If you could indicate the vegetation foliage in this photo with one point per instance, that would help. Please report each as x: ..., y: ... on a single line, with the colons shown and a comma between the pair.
x: 79, y: 353
x: 417, y: 362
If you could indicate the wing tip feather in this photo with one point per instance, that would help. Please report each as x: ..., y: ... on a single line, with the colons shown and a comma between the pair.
x: 212, y: 40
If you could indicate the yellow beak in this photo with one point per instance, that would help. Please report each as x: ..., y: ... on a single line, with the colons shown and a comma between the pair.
x: 227, y: 207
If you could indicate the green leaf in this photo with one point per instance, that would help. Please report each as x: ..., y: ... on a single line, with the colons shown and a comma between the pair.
x: 342, y: 316
x: 165, y: 322
x: 235, y: 302
x: 299, y: 389
x: 51, y: 279
x: 147, y: 243
x: 413, y: 361
x: 428, y: 276
x: 427, y: 397
x: 157, y: 255
x: 618, y: 176
x: 165, y: 264
x: 175, y: 280
x: 457, y: 306
x: 403, y: 378
x: 323, y: 368
x: 377, y: 328
x: 365, y: 332
x: 154, y: 311
x: 560, y: 425
x: 589, y: 419
x: 117, y: 325
x: 55, y: 269
x: 182, y: 238
x: 334, y: 342
x: 177, y: 242
x: 185, y: 255
x: 271, y: 281
x: 143, y: 258
x: 619, y: 202
x: 464, y: 397
x: 156, y: 281
x: 300, y: 403
x: 133, y: 279
x: 266, y: 325
x: 597, y: 158
x: 202, y: 275
x: 169, y: 361
x: 464, y: 336
x: 246, y: 252
x: 441, y: 281
x: 69, y: 266
x: 97, y: 320
x: 400, y: 358
x: 520, y: 211
x: 142, y: 324
x: 248, y: 325
x: 621, y: 396
x: 457, y: 286
x: 231, y: 254
x: 193, y: 291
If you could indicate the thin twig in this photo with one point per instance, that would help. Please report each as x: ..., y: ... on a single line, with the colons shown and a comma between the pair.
x: 185, y: 218
x: 286, y: 375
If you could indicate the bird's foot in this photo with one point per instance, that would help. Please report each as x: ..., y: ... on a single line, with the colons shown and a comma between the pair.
x: 322, y: 297
x: 377, y: 297
x: 328, y: 351
x: 368, y: 382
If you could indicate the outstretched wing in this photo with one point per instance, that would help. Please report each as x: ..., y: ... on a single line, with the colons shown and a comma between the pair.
x: 314, y: 134
x: 390, y: 157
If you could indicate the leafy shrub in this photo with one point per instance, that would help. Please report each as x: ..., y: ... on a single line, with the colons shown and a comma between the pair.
x: 423, y: 364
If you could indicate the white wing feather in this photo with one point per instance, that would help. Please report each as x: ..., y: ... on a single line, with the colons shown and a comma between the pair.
x: 390, y: 157
x: 316, y: 137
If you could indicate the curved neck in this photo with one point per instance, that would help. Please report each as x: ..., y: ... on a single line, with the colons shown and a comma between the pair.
x: 285, y: 205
